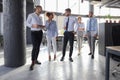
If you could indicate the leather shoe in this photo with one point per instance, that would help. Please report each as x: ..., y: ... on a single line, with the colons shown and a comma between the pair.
x: 31, y: 67
x: 70, y: 59
x: 62, y: 59
x: 89, y: 53
x: 37, y: 62
x: 92, y: 56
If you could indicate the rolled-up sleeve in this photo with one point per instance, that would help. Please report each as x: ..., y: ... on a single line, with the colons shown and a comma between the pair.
x: 29, y: 20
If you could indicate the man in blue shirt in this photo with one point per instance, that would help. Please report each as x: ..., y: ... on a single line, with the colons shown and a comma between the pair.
x: 91, y: 33
x: 69, y: 22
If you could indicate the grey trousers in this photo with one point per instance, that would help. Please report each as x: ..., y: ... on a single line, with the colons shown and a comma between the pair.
x: 91, y: 41
x: 79, y: 41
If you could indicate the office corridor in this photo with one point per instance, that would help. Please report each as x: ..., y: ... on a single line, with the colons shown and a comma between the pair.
x: 83, y: 67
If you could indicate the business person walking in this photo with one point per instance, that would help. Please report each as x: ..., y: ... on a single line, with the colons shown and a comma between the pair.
x: 34, y: 21
x: 52, y: 33
x: 92, y: 31
x: 79, y: 29
x: 69, y: 22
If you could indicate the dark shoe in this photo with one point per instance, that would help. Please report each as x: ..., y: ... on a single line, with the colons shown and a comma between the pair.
x: 37, y: 62
x: 62, y: 59
x: 89, y: 53
x: 71, y: 60
x: 31, y: 67
x: 54, y: 57
x: 49, y: 58
x: 92, y: 56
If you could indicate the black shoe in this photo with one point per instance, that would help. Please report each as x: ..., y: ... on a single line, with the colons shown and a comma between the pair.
x: 37, y: 62
x: 90, y: 53
x: 31, y: 67
x: 62, y: 59
x: 92, y: 56
x: 70, y: 59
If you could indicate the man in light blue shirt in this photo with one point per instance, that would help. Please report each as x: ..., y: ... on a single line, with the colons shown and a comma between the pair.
x: 69, y: 22
x: 91, y: 31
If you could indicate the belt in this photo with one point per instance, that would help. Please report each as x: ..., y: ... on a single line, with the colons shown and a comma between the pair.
x: 36, y: 31
x: 69, y: 31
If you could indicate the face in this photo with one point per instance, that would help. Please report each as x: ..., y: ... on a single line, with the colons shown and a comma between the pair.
x: 90, y: 14
x: 51, y: 16
x: 38, y: 10
x: 79, y: 20
x: 67, y: 13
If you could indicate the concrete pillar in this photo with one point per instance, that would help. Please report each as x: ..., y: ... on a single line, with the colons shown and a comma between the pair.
x: 29, y: 9
x: 91, y: 8
x: 14, y: 14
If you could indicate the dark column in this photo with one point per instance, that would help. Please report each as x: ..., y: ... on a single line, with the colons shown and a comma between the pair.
x: 91, y: 8
x: 14, y: 13
x: 29, y: 9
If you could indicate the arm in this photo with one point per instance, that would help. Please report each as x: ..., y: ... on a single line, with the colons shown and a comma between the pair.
x: 96, y: 26
x: 28, y: 22
x: 75, y: 27
x: 47, y: 24
x: 64, y: 24
x: 56, y: 29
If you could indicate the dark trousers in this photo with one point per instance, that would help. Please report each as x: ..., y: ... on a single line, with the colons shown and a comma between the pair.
x: 36, y: 41
x: 68, y: 36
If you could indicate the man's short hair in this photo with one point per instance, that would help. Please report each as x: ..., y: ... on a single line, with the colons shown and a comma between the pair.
x: 68, y: 10
x: 91, y: 12
x: 37, y: 6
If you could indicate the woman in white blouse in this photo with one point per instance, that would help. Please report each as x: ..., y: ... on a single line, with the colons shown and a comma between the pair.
x: 79, y: 29
x: 52, y: 33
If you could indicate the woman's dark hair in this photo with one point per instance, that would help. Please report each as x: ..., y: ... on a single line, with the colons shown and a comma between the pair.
x: 49, y: 13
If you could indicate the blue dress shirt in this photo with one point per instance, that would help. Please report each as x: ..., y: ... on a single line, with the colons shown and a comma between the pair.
x: 71, y: 23
x: 92, y: 25
x: 51, y: 27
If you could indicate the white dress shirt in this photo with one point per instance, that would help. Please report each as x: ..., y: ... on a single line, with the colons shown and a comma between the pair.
x: 71, y: 23
x: 32, y: 19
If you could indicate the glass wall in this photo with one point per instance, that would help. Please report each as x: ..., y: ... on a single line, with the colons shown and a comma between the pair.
x: 77, y: 7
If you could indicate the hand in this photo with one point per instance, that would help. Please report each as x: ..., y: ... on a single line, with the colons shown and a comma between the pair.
x: 85, y: 35
x: 81, y: 29
x: 95, y: 35
x: 35, y: 26
x: 74, y: 33
x: 64, y: 28
x: 56, y: 37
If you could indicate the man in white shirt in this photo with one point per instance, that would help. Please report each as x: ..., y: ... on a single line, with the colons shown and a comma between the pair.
x: 34, y: 21
x: 69, y: 22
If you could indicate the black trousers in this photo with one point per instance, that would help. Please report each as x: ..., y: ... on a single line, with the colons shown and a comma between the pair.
x: 36, y: 41
x: 68, y: 36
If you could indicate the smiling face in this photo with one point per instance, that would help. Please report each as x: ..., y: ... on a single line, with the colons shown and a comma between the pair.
x: 51, y: 16
x: 79, y: 19
x: 38, y: 9
x: 90, y: 14
x: 67, y: 12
